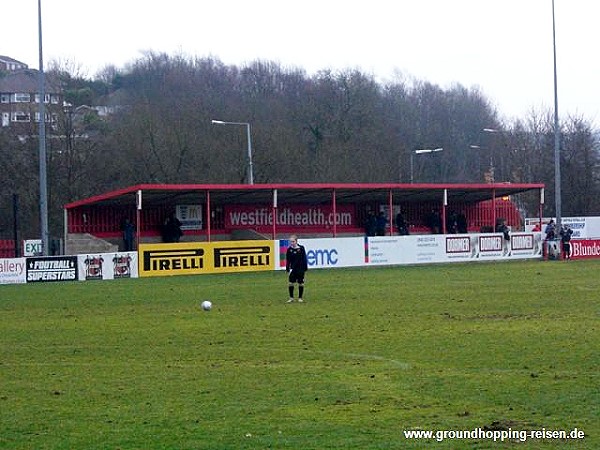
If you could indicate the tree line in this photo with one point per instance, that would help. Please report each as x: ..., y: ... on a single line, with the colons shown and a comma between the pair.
x: 333, y: 126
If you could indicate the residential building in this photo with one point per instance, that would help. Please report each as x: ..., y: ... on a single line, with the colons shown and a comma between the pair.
x: 8, y: 64
x: 19, y: 100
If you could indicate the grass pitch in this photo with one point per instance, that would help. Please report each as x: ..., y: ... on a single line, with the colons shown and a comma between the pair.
x: 136, y: 364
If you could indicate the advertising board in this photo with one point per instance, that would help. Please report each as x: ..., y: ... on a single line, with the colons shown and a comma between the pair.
x: 308, y: 217
x: 195, y: 258
x: 583, y: 227
x: 107, y: 266
x: 438, y: 248
x: 51, y: 268
x: 190, y: 216
x: 585, y: 248
x: 263, y: 255
x: 327, y: 252
x: 12, y: 271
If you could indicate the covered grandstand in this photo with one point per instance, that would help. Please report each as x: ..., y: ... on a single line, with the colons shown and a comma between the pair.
x: 242, y: 211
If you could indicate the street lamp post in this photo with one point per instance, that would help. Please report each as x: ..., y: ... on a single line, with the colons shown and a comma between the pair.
x: 420, y: 152
x: 249, y: 137
x: 491, y: 169
x: 478, y: 147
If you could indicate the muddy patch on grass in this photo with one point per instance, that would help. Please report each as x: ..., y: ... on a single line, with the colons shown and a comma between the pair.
x: 507, y: 424
x: 449, y: 316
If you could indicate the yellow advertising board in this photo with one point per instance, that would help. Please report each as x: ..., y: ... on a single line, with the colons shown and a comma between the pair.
x: 194, y: 258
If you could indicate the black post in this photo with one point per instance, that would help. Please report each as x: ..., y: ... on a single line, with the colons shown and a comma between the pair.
x: 15, y: 225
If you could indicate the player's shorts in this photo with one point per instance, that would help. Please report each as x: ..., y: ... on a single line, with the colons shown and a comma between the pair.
x: 296, y: 277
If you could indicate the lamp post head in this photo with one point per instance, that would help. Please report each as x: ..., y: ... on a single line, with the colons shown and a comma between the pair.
x: 222, y: 122
x: 428, y: 150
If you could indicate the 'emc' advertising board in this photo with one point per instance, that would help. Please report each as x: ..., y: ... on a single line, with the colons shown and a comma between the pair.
x: 327, y: 253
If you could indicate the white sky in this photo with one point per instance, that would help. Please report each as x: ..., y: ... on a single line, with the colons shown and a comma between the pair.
x: 502, y: 46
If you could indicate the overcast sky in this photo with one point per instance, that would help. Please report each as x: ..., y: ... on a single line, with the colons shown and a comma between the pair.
x: 504, y: 47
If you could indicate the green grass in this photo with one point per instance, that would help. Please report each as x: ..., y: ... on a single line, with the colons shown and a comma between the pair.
x: 136, y: 364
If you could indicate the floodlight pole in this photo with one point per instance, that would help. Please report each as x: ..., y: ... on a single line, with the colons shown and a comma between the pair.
x: 557, y: 183
x: 249, y: 138
x: 42, y: 144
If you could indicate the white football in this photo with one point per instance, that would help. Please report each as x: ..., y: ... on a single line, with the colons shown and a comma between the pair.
x: 206, y: 305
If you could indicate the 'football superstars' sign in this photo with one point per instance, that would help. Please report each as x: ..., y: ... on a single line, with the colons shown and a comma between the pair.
x: 52, y: 268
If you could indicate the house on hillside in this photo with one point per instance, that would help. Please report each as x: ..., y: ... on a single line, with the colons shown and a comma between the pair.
x: 112, y: 103
x: 19, y: 100
x: 8, y: 64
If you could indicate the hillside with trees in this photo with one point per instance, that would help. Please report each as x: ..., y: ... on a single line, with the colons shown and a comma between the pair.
x: 342, y: 126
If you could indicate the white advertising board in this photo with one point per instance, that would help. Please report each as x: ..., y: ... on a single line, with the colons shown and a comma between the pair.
x: 583, y: 227
x: 12, y: 270
x: 415, y: 249
x: 190, y: 216
x: 328, y: 252
x: 438, y: 248
x: 107, y: 266
x: 387, y: 250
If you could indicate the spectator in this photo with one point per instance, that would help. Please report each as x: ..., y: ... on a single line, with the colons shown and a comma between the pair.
x: 461, y: 223
x: 128, y: 230
x: 452, y: 223
x: 434, y: 222
x: 550, y: 230
x: 501, y: 227
x: 565, y: 237
x: 401, y: 224
x: 370, y: 224
x: 381, y: 223
x: 171, y: 231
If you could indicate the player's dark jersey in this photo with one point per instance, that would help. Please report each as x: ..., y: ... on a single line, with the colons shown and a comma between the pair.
x: 295, y: 259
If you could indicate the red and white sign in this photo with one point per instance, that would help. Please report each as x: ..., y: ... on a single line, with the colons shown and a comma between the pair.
x: 318, y: 217
x: 585, y: 248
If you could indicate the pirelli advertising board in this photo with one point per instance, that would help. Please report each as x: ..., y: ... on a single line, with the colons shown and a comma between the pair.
x: 194, y: 258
